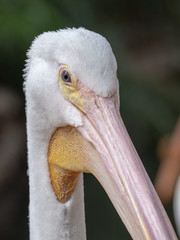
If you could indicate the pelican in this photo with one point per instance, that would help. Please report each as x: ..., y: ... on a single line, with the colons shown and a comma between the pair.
x: 74, y: 126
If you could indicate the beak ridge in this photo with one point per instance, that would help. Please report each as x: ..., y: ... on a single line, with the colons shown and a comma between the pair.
x: 121, y: 172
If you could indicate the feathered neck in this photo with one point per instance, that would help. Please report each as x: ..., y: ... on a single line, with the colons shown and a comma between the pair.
x: 48, y: 218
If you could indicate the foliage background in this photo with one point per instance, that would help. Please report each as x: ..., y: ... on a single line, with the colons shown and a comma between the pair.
x: 145, y: 38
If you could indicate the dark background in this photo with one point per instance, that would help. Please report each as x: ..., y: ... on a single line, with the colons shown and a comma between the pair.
x: 145, y: 37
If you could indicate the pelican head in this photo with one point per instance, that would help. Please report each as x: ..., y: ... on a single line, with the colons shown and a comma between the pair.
x: 74, y: 126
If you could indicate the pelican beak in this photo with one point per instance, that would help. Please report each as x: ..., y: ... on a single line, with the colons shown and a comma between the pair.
x: 120, y: 171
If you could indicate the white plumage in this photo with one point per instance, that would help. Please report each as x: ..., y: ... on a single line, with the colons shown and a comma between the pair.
x: 90, y: 58
x: 88, y: 54
x: 47, y: 109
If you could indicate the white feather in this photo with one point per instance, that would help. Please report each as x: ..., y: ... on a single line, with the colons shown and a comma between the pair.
x: 88, y: 54
x: 90, y: 57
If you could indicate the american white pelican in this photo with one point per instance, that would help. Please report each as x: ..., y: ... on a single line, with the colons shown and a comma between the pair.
x: 74, y: 126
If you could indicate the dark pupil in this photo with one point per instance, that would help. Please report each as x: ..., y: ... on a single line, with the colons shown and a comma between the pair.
x: 65, y: 76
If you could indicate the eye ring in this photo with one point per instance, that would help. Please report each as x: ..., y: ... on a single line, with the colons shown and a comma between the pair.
x: 65, y: 76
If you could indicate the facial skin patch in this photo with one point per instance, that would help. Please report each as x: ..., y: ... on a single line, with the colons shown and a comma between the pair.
x: 70, y: 89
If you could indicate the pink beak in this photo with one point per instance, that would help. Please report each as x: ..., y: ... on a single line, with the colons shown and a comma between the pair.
x: 121, y: 173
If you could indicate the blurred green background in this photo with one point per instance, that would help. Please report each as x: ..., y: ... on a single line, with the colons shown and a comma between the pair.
x: 145, y: 37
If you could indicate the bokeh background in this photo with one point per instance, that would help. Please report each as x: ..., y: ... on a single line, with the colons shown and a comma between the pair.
x: 145, y: 37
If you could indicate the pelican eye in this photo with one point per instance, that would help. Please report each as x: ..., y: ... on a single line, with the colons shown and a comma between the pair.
x: 65, y: 76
